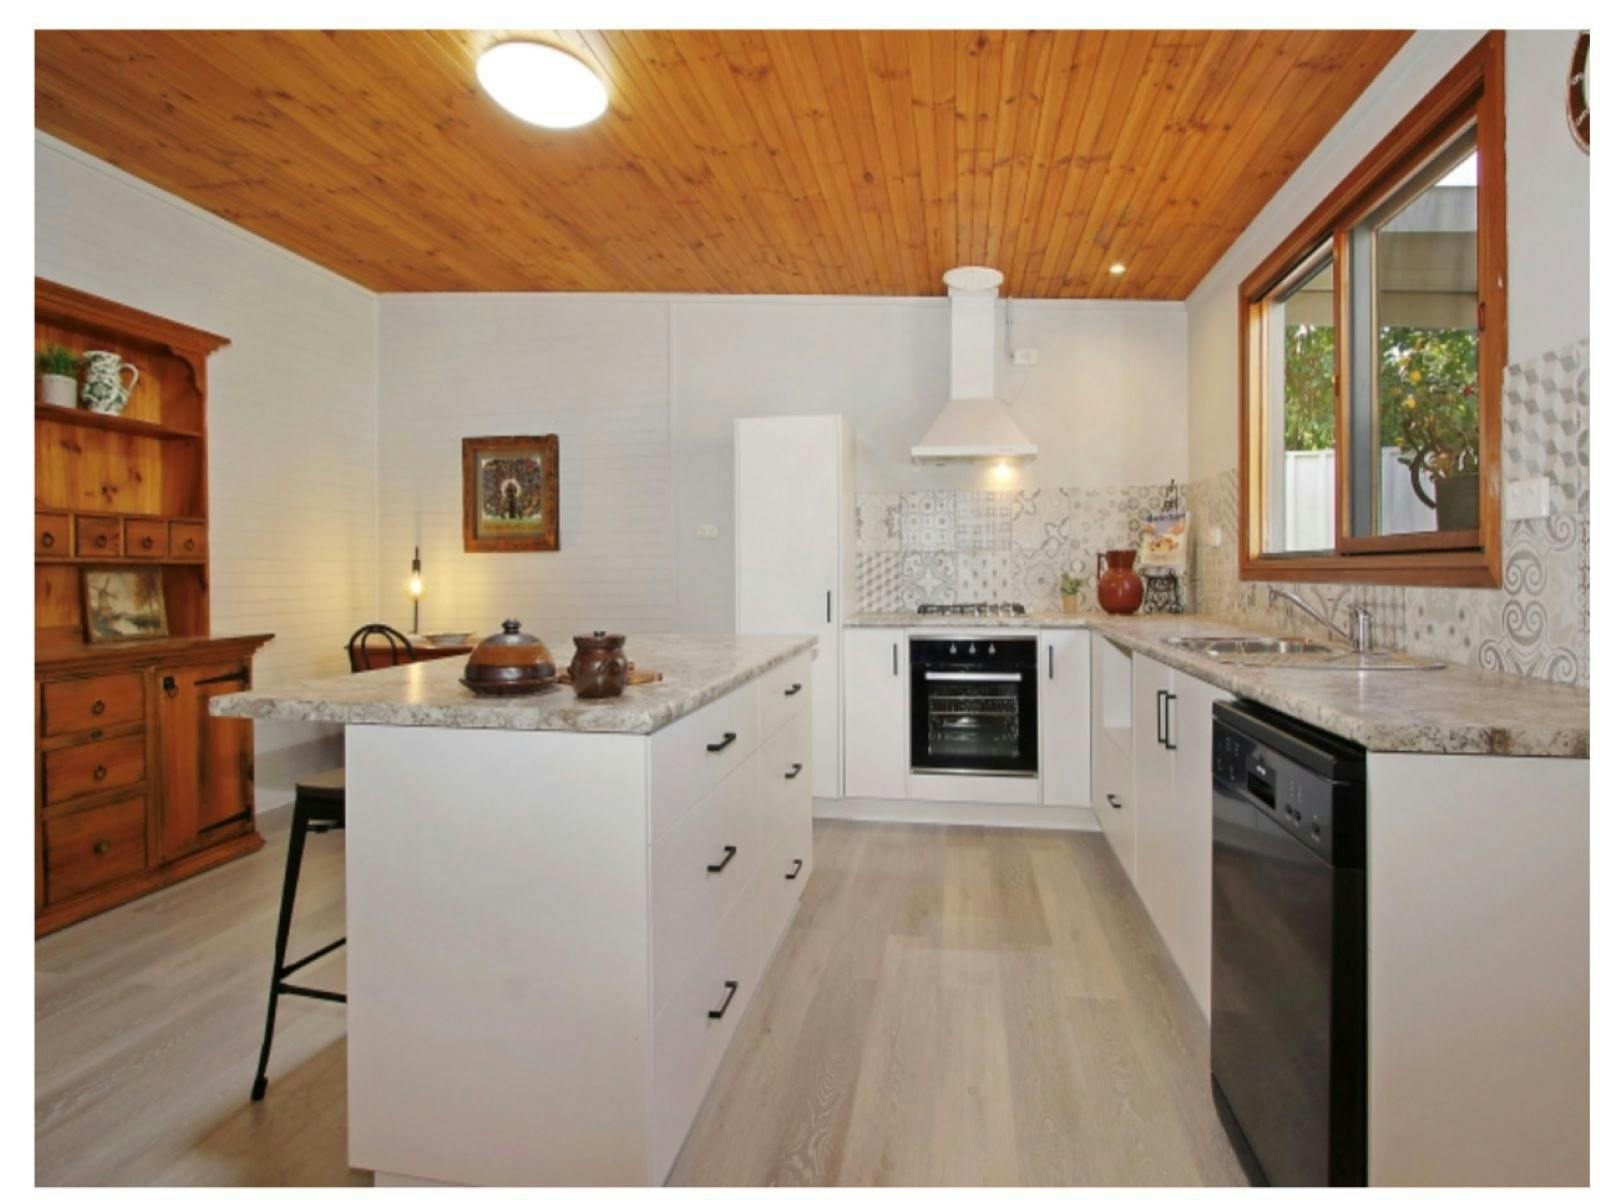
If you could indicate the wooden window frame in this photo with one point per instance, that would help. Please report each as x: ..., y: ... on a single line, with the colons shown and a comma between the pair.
x: 1473, y: 91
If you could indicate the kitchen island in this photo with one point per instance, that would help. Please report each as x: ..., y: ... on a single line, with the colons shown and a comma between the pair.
x: 559, y: 910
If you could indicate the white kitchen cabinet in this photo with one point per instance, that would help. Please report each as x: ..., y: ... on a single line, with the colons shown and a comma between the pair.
x: 794, y: 557
x: 1065, y: 730
x: 1172, y: 784
x: 876, y: 713
x: 1111, y: 766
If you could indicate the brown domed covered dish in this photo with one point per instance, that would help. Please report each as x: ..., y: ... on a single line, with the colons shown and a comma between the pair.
x: 510, y: 663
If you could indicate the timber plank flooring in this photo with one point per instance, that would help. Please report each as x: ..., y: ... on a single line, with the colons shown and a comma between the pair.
x: 951, y: 1006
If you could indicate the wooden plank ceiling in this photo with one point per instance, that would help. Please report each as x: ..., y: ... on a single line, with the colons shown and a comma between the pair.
x: 846, y: 163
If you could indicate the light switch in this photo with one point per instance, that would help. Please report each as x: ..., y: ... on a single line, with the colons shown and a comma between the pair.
x: 1025, y: 358
x: 1214, y: 535
x: 706, y: 533
x: 1528, y: 499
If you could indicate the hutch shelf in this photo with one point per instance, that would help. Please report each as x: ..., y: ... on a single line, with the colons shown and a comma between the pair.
x: 136, y: 786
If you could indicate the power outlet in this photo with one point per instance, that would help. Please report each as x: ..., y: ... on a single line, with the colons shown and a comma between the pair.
x: 1528, y: 499
x: 706, y: 533
x: 1025, y: 358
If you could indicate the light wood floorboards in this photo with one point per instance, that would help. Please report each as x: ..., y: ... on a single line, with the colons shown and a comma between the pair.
x: 951, y: 1006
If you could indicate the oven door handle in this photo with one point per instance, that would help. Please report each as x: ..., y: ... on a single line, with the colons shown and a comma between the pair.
x: 971, y: 677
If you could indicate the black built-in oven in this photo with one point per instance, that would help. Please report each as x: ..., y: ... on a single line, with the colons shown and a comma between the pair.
x: 974, y: 705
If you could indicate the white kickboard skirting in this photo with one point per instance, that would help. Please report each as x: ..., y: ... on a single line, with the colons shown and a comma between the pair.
x: 942, y: 812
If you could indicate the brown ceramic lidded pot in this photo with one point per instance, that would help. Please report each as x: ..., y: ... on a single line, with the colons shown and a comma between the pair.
x: 599, y: 668
x: 1120, y: 589
x: 511, y: 663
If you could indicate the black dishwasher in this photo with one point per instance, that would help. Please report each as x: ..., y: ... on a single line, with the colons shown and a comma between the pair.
x: 1288, y: 947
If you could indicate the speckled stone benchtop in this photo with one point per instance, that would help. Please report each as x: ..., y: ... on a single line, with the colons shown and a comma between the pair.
x: 697, y: 668
x: 1452, y: 710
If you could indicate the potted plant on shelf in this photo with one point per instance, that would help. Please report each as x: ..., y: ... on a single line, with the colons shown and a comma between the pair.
x: 58, y: 376
x: 1071, y: 591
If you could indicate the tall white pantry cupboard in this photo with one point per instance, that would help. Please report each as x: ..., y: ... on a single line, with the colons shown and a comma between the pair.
x: 794, y: 557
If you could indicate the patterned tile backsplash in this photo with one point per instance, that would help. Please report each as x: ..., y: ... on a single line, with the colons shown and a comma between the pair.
x: 942, y: 547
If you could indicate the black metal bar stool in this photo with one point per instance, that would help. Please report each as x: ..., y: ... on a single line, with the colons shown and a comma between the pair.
x: 318, y: 808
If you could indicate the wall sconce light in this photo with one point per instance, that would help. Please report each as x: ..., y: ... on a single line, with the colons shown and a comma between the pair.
x: 414, y: 587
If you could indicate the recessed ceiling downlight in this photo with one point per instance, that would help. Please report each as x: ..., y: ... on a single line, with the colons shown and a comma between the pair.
x: 541, y: 85
x: 1117, y: 268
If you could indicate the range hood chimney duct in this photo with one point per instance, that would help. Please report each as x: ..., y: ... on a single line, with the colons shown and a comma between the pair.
x: 974, y: 425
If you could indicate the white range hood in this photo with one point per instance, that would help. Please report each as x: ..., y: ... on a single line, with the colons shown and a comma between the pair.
x: 973, y: 425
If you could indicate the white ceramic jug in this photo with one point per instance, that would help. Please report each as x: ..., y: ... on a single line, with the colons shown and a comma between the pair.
x: 103, y: 389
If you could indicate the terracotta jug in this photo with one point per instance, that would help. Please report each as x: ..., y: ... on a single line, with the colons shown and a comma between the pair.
x: 1120, y: 589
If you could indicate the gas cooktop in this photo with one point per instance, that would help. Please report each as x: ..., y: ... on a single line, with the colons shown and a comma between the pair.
x: 970, y: 610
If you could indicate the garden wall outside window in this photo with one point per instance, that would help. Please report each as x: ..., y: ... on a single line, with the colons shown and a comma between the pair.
x: 1372, y: 343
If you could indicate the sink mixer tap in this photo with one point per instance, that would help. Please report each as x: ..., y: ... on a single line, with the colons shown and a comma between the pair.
x: 1358, y: 635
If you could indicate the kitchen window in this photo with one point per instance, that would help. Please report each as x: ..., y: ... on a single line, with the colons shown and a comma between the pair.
x: 1372, y: 343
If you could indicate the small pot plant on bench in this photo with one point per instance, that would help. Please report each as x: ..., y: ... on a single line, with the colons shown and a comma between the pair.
x: 58, y: 376
x: 1071, y: 591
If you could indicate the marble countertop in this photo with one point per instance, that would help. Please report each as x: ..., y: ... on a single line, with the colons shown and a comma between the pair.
x: 697, y: 668
x: 1451, y: 710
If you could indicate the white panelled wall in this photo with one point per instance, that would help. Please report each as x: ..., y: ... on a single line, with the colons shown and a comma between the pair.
x: 292, y: 416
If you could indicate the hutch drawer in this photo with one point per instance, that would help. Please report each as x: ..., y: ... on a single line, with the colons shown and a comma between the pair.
x: 83, y: 850
x: 146, y: 538
x: 72, y: 705
x: 52, y: 535
x: 99, y: 537
x: 188, y: 539
x: 93, y: 767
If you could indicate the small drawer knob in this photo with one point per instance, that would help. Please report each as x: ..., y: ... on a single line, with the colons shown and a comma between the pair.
x: 99, y: 539
x: 147, y: 541
x: 47, y: 539
x: 98, y: 707
x: 100, y: 772
x: 188, y: 543
x: 101, y: 847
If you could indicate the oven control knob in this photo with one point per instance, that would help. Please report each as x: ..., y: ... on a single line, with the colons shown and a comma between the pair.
x: 972, y: 647
x: 991, y: 647
x: 953, y: 649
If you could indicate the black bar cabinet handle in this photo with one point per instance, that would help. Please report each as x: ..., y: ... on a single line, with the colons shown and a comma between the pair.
x: 716, y: 1014
x: 794, y: 772
x: 1172, y: 741
x: 718, y: 747
x: 727, y: 857
x: 1111, y: 799
x: 798, y: 864
x: 1161, y: 711
x: 896, y: 659
x: 792, y: 690
x: 830, y: 606
x: 1051, y: 651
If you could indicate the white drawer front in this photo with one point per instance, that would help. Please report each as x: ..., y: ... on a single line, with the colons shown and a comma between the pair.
x: 786, y: 775
x: 688, y: 1042
x: 1113, y: 799
x: 794, y: 850
x: 785, y: 691
x: 691, y: 756
x: 688, y: 898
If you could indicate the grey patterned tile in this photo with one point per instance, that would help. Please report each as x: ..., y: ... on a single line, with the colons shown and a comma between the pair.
x: 928, y: 521
x: 878, y: 580
x: 927, y: 577
x: 878, y: 521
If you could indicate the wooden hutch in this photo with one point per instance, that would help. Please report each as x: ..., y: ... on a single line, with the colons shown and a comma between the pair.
x: 136, y: 786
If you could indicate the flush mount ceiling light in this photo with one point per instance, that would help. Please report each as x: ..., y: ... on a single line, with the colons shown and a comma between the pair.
x: 1117, y: 268
x: 541, y: 85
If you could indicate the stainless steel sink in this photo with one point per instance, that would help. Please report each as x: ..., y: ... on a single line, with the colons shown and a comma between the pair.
x: 1297, y: 652
x: 1219, y: 646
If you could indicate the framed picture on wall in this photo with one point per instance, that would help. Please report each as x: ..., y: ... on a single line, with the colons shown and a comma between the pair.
x: 511, y: 492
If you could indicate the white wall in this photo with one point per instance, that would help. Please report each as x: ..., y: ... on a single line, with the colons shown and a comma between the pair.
x: 1547, y: 219
x: 644, y: 392
x: 292, y: 416
x: 592, y: 370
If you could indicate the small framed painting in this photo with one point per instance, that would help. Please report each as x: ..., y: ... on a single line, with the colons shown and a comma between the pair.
x: 511, y: 492
x: 123, y: 602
